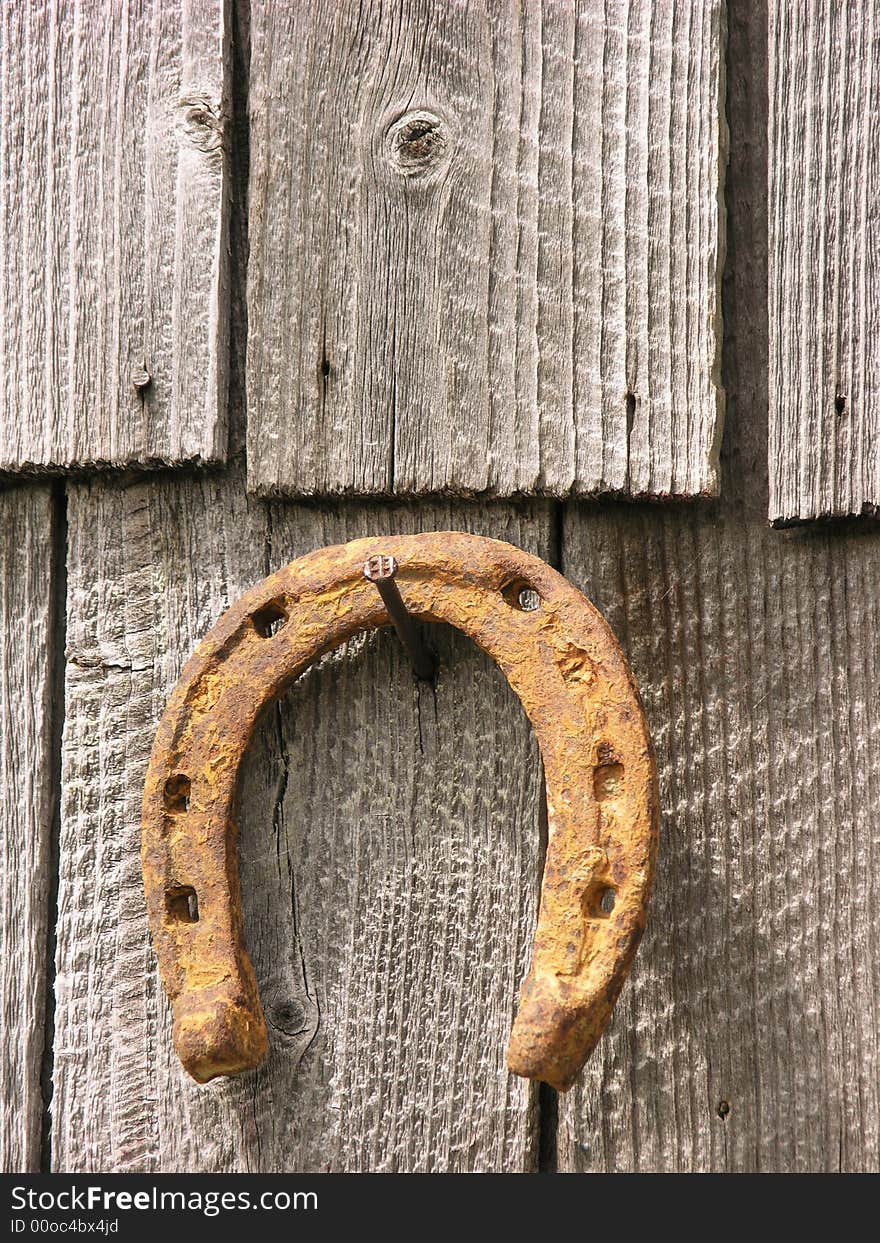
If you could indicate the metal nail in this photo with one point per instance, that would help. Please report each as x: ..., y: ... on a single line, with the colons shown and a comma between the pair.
x: 380, y: 571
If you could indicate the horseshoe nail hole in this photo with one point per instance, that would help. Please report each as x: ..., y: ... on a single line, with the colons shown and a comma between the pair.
x: 269, y: 619
x: 607, y: 780
x: 601, y: 902
x: 177, y: 793
x: 182, y: 904
x: 840, y: 404
x: 723, y: 1110
x: 520, y: 595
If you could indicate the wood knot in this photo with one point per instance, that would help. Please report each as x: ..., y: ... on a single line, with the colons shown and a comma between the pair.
x: 200, y: 122
x: 417, y: 144
x: 288, y: 1016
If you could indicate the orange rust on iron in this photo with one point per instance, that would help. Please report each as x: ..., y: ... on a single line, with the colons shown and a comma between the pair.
x: 566, y: 667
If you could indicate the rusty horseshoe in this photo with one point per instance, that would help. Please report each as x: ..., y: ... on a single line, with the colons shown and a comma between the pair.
x: 562, y: 661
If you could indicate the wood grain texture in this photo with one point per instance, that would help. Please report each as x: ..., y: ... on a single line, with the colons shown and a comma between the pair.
x: 485, y: 247
x: 113, y: 251
x: 390, y: 857
x: 756, y: 652
x: 758, y: 982
x: 824, y: 163
x: 26, y: 804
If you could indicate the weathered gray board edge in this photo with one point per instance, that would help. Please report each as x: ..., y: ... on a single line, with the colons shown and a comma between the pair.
x: 824, y: 148
x: 27, y: 801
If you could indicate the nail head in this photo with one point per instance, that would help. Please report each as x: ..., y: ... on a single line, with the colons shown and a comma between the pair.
x: 380, y: 568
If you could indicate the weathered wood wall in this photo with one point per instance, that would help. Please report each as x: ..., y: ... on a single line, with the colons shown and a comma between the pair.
x: 30, y: 579
x: 392, y: 834
x: 824, y: 169
x: 113, y: 246
x: 747, y: 1038
x: 390, y: 856
x: 486, y: 247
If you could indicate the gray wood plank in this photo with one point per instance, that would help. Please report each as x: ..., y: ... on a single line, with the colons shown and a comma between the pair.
x: 26, y: 802
x: 756, y: 652
x: 113, y: 252
x: 485, y: 247
x: 390, y: 856
x: 757, y: 987
x: 824, y: 164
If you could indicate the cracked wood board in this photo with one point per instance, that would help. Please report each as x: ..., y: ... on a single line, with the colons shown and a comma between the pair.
x: 485, y: 248
x: 824, y: 165
x: 389, y: 849
x: 113, y: 253
x: 27, y: 568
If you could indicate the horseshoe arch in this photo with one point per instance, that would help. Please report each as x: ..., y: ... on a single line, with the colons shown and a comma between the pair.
x: 564, y: 664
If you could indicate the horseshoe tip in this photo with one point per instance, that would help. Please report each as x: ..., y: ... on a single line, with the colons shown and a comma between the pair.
x: 218, y: 1036
x: 552, y: 1040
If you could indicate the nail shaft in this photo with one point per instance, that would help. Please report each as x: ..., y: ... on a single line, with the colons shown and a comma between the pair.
x: 380, y: 571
